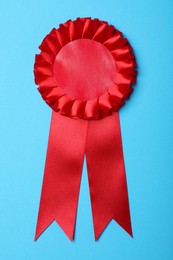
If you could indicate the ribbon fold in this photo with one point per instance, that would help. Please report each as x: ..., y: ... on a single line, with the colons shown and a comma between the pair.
x: 76, y: 34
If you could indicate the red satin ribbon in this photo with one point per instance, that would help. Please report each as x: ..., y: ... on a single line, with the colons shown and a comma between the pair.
x: 84, y: 71
x: 101, y: 141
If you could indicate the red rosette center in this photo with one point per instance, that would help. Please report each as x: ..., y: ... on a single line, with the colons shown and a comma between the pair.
x: 84, y: 69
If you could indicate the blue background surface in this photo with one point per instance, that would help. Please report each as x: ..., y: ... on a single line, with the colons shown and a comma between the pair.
x: 146, y: 123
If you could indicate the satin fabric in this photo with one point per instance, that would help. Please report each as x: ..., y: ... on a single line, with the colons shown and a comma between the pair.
x: 92, y: 73
x: 57, y: 93
x: 85, y: 72
x: 69, y: 141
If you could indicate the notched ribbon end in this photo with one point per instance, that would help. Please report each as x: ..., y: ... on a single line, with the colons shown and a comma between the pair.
x: 40, y: 229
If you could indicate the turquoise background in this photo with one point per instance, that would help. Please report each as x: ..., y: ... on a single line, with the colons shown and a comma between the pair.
x: 146, y: 122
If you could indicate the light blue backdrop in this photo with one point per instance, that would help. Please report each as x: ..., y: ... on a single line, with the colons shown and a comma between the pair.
x: 146, y: 123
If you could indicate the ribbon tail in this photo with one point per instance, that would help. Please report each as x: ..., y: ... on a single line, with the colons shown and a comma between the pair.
x: 62, y: 175
x: 106, y: 174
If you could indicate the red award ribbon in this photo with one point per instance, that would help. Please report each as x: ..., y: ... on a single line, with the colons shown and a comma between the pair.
x: 84, y: 71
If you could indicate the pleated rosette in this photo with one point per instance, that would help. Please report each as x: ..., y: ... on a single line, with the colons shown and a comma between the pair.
x: 120, y: 88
